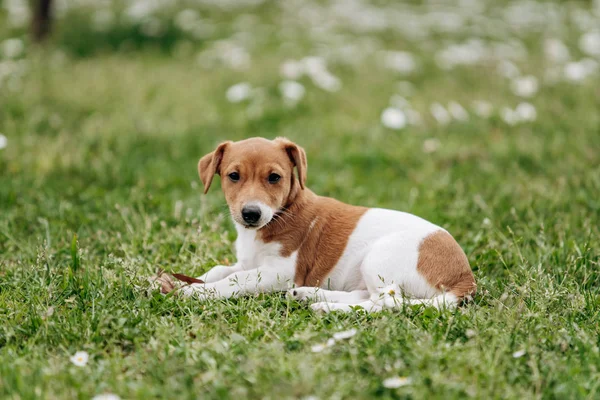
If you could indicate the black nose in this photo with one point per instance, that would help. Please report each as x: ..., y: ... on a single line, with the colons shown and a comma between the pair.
x: 251, y: 214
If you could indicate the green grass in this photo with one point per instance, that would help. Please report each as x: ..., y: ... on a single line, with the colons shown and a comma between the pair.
x: 98, y: 188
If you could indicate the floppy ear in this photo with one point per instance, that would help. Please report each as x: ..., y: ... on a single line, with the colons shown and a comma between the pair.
x: 298, y: 157
x: 209, y: 165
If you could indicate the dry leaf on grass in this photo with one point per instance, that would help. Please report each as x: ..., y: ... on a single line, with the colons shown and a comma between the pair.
x: 166, y: 284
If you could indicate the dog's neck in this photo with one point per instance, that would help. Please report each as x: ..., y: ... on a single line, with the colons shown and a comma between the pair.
x: 292, y: 223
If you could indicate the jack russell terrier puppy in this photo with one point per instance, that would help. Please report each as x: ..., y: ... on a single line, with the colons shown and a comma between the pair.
x: 338, y: 255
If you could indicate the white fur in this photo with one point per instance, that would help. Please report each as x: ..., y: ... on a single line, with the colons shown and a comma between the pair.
x: 378, y: 268
x: 259, y: 268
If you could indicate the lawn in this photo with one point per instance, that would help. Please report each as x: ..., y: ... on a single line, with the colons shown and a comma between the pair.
x: 483, y: 117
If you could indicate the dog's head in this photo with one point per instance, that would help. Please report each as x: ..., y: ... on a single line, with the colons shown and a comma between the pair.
x: 257, y: 177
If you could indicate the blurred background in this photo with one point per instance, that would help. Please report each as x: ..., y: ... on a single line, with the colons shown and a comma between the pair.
x: 492, y: 101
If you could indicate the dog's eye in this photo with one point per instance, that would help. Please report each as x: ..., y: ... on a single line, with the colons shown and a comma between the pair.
x: 274, y: 178
x: 234, y: 176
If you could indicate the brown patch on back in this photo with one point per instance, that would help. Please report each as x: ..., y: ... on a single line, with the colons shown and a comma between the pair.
x: 445, y: 266
x: 318, y: 228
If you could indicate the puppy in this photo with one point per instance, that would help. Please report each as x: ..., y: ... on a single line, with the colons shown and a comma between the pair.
x: 338, y: 255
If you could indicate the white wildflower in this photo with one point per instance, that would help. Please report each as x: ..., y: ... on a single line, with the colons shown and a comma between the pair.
x: 525, y: 86
x: 509, y: 116
x: 431, y: 145
x: 3, y: 141
x: 326, y: 81
x: 589, y: 43
x: 344, y: 334
x: 80, y: 358
x: 556, y: 50
x: 396, y: 382
x: 291, y: 91
x: 440, y: 114
x: 393, y: 118
x: 106, y: 396
x: 518, y: 354
x: 313, y: 65
x: 317, y: 348
x: 239, y: 92
x: 12, y: 48
x: 577, y: 71
x: 186, y: 20
x: 400, y: 61
x: 457, y: 111
x: 482, y: 108
x: 526, y: 112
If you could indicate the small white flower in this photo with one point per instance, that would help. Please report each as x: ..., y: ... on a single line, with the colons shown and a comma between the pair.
x: 12, y: 48
x: 3, y: 141
x: 580, y: 70
x: 525, y: 86
x: 482, y: 108
x: 431, y: 145
x: 317, y: 348
x: 526, y: 112
x: 291, y: 69
x: 313, y: 65
x: 393, y: 118
x: 440, y: 114
x: 509, y: 116
x: 80, y: 358
x: 106, y: 396
x: 291, y: 91
x: 457, y: 111
x: 344, y: 334
x: 470, y: 333
x: 400, y: 61
x: 556, y: 50
x: 238, y: 92
x: 326, y: 81
x: 590, y: 43
x: 518, y: 354
x: 396, y: 382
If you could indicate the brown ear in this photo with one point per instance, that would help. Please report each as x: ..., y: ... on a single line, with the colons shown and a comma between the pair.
x: 298, y: 157
x: 209, y: 165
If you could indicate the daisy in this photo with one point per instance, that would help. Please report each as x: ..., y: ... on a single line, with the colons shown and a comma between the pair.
x: 393, y: 118
x: 291, y: 91
x: 431, y: 145
x: 106, y: 396
x: 518, y: 354
x: 80, y: 358
x: 344, y: 334
x: 589, y: 43
x: 525, y: 86
x: 440, y: 114
x: 457, y: 111
x: 317, y: 348
x: 396, y: 382
x: 238, y: 92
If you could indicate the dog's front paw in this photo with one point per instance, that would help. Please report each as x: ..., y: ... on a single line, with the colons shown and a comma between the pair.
x: 326, y: 307
x: 302, y: 293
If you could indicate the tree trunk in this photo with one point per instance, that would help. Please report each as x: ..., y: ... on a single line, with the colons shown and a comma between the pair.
x: 42, y: 19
